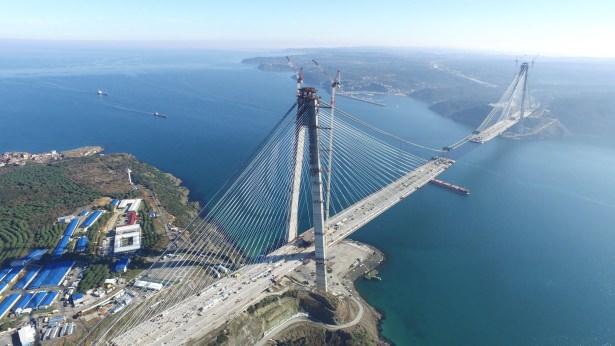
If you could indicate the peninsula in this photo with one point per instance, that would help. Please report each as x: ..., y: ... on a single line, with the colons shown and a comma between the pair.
x: 67, y: 209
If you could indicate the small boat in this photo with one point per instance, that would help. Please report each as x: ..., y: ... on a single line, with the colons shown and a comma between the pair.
x: 101, y: 93
x: 159, y: 115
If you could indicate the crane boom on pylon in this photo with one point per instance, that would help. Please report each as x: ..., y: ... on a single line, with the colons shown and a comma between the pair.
x: 335, y: 84
x: 298, y: 73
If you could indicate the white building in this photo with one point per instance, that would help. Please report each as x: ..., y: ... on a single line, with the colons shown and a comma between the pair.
x: 66, y: 219
x: 130, y: 204
x: 27, y: 335
x: 127, y: 238
x: 222, y: 268
x: 148, y: 285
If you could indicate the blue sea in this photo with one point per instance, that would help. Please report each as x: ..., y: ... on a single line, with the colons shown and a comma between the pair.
x: 527, y: 258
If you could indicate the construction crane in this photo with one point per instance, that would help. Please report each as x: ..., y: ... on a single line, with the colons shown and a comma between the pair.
x: 352, y: 97
x: 298, y: 73
x: 335, y: 84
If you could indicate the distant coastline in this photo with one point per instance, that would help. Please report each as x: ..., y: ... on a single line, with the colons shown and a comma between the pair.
x: 453, y: 94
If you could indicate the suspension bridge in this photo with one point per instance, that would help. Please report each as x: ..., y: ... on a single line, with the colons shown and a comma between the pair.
x: 321, y: 170
x: 512, y: 108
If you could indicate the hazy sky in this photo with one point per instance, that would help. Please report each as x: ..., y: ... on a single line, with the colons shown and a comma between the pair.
x: 549, y: 27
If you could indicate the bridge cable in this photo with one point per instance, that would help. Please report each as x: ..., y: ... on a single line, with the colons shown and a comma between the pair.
x: 366, y: 124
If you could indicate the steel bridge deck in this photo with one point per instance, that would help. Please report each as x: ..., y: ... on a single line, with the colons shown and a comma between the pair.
x: 198, y: 315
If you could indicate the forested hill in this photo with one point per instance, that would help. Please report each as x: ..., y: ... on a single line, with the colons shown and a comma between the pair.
x: 33, y: 196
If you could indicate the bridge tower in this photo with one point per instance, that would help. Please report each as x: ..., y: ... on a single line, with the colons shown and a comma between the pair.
x: 307, y: 125
x: 299, y: 153
x: 524, y: 95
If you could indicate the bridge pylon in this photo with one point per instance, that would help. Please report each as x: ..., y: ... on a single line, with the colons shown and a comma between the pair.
x: 299, y: 152
x: 307, y: 125
x: 525, y: 67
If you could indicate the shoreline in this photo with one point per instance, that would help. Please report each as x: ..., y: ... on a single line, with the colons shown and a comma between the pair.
x: 447, y: 106
x: 379, y: 314
x: 375, y: 257
x: 362, y: 322
x: 52, y: 184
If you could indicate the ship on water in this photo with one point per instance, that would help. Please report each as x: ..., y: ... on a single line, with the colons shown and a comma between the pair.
x: 452, y: 187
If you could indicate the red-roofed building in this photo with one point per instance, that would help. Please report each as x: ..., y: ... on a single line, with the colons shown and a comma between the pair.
x: 132, y: 217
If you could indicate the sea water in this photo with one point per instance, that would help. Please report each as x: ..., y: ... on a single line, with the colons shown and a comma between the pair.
x: 527, y: 258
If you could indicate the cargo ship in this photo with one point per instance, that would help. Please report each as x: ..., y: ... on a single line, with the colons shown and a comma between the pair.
x: 159, y: 115
x: 455, y: 188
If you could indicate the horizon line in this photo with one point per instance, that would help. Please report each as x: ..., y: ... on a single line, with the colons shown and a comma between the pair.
x: 239, y: 45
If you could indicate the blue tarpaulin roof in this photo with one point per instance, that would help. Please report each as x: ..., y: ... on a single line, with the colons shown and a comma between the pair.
x: 48, y: 300
x: 121, y: 265
x: 36, y: 254
x: 70, y: 229
x: 72, y: 226
x: 14, y: 271
x: 91, y: 219
x: 76, y: 296
x: 4, y: 272
x: 23, y: 302
x: 82, y: 243
x: 52, y: 274
x: 8, y: 302
x: 26, y: 279
x: 36, y: 300
x: 61, y: 247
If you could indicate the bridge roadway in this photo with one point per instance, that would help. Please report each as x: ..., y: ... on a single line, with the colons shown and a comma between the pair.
x: 493, y: 131
x: 198, y: 315
x: 498, y: 128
